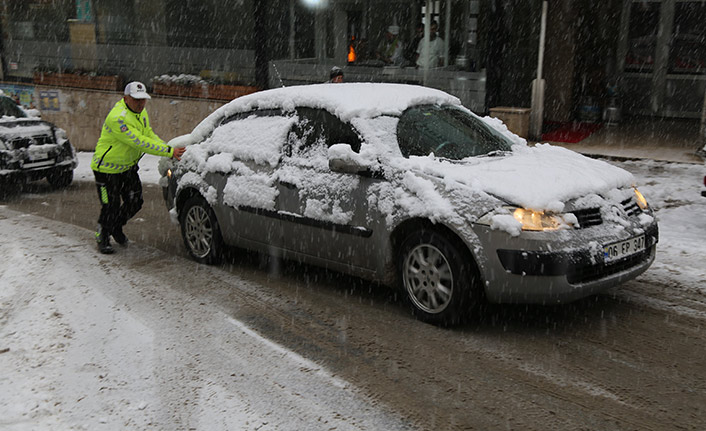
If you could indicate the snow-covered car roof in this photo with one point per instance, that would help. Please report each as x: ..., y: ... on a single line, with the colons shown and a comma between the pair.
x: 345, y: 100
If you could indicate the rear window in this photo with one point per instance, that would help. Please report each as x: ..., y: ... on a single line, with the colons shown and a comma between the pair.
x: 448, y: 132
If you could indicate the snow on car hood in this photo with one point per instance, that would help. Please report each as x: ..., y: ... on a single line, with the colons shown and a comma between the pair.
x: 11, y: 127
x: 543, y: 177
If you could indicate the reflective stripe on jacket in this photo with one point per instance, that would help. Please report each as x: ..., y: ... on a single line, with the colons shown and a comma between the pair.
x: 125, y: 137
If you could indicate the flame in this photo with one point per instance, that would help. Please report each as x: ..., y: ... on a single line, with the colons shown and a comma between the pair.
x: 351, y: 51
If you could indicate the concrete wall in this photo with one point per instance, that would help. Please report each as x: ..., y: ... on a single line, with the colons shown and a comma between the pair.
x: 82, y: 112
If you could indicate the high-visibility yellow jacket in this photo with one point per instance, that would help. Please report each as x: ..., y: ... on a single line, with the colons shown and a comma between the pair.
x: 125, y: 137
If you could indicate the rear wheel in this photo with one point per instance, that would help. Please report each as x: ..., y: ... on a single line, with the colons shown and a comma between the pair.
x: 200, y: 230
x: 438, y: 277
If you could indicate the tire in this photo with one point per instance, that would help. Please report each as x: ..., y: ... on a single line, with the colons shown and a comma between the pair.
x: 440, y: 279
x: 10, y: 186
x: 200, y: 231
x: 61, y: 179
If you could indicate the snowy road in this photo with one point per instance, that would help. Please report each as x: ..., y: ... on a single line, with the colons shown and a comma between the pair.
x: 109, y: 343
x: 147, y: 339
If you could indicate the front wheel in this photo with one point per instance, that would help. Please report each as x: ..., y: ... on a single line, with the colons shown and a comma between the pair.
x: 200, y: 230
x: 439, y: 279
x: 61, y: 179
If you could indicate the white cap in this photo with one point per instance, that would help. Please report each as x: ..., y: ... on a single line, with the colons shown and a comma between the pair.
x: 394, y: 29
x: 136, y: 90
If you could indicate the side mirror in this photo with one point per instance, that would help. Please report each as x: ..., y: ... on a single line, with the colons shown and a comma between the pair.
x: 342, y: 158
x: 182, y: 141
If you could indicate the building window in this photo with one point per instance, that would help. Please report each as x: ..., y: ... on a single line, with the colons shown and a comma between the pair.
x: 642, y: 36
x: 688, y: 48
x: 226, y: 24
x: 40, y: 20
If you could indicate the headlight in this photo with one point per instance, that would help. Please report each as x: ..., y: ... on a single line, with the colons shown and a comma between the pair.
x: 61, y: 134
x: 169, y: 173
x: 527, y: 219
x: 641, y: 201
x: 537, y: 220
x: 66, y: 151
x: 164, y: 165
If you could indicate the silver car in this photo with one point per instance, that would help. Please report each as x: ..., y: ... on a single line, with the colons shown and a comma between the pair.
x: 403, y: 185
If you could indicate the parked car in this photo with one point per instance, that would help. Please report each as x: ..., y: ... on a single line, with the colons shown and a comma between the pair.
x: 703, y: 189
x: 401, y: 184
x: 32, y: 149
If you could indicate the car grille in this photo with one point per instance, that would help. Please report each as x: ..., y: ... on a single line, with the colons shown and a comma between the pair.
x: 592, y: 216
x: 589, y: 273
x: 588, y: 217
x: 25, y: 142
x: 630, y: 207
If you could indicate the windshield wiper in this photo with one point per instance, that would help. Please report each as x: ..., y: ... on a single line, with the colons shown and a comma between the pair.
x: 495, y: 153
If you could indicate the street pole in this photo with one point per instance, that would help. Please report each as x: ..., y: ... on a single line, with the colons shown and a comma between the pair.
x: 261, y: 55
x: 447, y: 31
x: 427, y: 41
x: 703, y: 126
x: 538, y: 85
x: 292, y: 23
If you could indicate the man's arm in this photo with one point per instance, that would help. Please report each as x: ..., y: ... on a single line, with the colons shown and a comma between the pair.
x: 132, y: 137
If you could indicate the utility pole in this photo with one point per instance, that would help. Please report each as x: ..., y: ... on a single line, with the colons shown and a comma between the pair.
x: 703, y: 126
x: 537, y: 112
x: 260, y: 40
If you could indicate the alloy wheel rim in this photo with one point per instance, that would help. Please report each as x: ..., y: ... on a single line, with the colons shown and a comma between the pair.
x: 428, y: 278
x: 199, y: 231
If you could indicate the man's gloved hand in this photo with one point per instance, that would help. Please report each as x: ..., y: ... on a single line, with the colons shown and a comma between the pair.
x: 178, y: 152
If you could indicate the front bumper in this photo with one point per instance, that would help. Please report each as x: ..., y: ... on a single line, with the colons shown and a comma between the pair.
x: 556, y: 275
x: 36, y: 170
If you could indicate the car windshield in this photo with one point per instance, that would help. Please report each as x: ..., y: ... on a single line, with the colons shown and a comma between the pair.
x: 9, y: 108
x: 446, y: 131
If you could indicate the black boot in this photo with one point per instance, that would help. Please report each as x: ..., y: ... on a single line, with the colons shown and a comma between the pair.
x: 103, y: 241
x: 119, y: 236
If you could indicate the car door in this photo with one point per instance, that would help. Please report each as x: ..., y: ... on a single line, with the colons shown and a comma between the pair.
x: 324, y: 213
x: 243, y: 154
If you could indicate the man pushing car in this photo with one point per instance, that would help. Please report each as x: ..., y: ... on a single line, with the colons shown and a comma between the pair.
x: 126, y: 136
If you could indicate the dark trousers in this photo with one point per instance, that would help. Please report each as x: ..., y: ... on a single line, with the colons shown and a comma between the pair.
x: 120, y: 196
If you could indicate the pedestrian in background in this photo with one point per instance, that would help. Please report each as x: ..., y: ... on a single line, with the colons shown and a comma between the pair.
x: 336, y: 75
x: 391, y: 50
x: 433, y: 51
x: 126, y: 136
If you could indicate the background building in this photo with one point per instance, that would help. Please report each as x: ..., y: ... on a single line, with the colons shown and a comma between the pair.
x: 647, y: 56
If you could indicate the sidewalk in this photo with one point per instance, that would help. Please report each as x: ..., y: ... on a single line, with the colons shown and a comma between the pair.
x: 671, y: 140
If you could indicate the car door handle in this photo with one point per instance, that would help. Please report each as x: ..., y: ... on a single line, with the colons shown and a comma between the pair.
x: 288, y: 185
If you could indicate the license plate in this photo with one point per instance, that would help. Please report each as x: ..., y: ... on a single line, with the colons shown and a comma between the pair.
x: 621, y: 249
x: 38, y: 155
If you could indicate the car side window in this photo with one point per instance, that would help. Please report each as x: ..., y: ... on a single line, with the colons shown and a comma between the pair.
x: 316, y: 130
x: 256, y: 113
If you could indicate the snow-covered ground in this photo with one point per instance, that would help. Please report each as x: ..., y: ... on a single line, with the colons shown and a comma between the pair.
x: 74, y: 356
